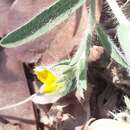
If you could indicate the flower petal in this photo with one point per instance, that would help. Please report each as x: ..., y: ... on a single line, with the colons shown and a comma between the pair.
x: 46, y: 98
x: 45, y: 75
x: 48, y: 88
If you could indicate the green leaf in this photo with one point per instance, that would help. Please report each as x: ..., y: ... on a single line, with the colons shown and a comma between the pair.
x: 81, y: 78
x: 127, y: 102
x: 81, y: 56
x: 82, y: 49
x: 117, y: 11
x: 81, y: 66
x: 42, y: 23
x: 111, y: 49
x: 123, y: 32
x: 126, y: 9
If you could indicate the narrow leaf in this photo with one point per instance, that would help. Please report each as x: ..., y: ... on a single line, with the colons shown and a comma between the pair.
x: 124, y: 38
x: 81, y: 67
x: 127, y: 102
x: 42, y: 23
x: 111, y: 49
x: 117, y: 11
x: 126, y: 9
x: 81, y: 77
x: 80, y: 58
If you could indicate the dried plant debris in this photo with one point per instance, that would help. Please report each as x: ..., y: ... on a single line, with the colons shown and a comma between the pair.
x: 9, y: 126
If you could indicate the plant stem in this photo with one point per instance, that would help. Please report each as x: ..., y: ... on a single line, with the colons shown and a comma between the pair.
x: 87, y: 37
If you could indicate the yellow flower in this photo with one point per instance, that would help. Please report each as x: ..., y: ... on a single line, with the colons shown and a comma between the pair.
x: 48, y: 78
x: 58, y: 81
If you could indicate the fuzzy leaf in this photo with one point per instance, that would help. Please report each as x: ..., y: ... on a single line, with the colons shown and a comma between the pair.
x: 124, y: 38
x: 81, y: 67
x: 111, y: 49
x: 127, y: 102
x: 42, y: 23
x: 81, y: 56
x: 81, y: 78
x: 126, y: 9
x: 117, y: 11
x: 82, y: 48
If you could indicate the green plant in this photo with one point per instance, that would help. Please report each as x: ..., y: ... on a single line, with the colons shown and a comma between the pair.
x: 57, y: 13
x: 127, y: 102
